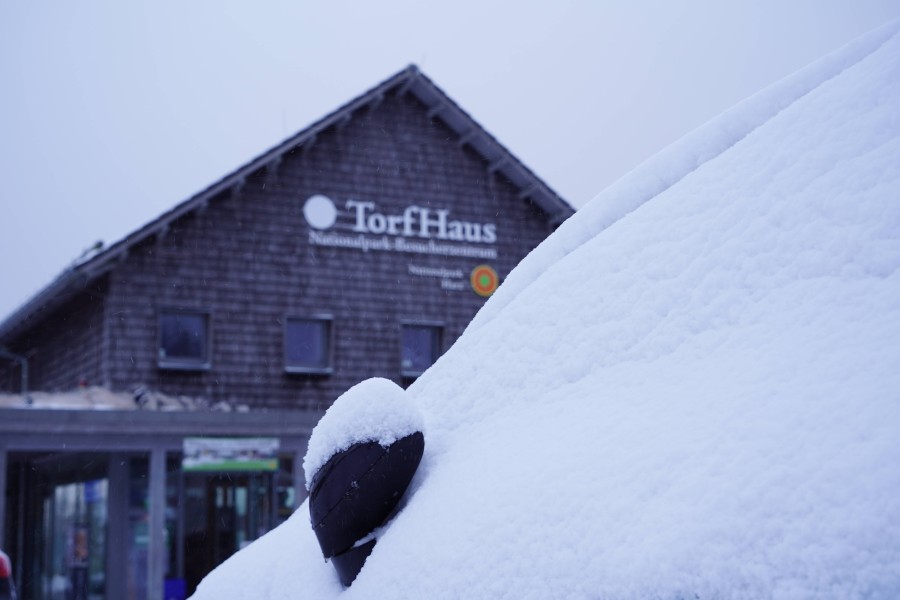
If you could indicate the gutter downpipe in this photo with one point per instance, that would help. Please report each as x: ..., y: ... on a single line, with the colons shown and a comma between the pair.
x: 23, y: 363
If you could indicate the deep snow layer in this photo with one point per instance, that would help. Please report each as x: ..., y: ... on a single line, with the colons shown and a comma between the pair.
x: 690, y: 390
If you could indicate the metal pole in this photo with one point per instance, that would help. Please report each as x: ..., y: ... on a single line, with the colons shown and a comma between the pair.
x: 23, y: 369
x: 157, y: 525
x: 179, y: 536
x: 20, y: 522
x: 118, y: 543
x: 274, y: 476
x: 3, y: 461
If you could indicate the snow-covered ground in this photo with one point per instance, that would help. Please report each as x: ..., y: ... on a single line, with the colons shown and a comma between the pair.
x: 691, y: 390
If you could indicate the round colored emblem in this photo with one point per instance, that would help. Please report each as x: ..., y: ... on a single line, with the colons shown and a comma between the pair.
x: 484, y: 280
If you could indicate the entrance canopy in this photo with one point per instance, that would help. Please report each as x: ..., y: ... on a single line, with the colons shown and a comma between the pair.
x: 134, y: 430
x: 122, y: 480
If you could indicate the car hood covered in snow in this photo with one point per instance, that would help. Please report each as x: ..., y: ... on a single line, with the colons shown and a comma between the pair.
x: 690, y: 390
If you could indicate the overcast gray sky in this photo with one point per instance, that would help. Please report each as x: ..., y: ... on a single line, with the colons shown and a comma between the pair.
x: 113, y: 112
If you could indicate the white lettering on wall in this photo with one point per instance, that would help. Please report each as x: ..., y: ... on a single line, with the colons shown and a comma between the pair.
x: 439, y: 272
x: 417, y: 229
x: 383, y: 243
x: 418, y: 221
x: 451, y: 279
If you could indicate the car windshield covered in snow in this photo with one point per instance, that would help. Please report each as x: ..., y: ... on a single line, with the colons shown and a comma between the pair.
x: 688, y: 390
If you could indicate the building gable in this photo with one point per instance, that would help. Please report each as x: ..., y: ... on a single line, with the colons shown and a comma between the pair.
x: 412, y: 206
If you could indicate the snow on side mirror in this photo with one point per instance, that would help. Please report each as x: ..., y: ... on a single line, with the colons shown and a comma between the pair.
x: 362, y: 457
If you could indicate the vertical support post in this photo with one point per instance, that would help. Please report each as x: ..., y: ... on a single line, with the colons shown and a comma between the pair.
x: 118, y: 544
x: 179, y: 536
x: 157, y: 524
x: 273, y: 503
x: 23, y: 485
x: 23, y: 366
x: 3, y: 462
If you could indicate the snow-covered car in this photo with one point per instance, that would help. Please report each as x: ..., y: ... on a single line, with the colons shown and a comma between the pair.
x: 7, y: 585
x: 690, y: 390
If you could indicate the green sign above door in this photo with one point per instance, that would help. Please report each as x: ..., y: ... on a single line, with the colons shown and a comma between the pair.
x: 230, y: 454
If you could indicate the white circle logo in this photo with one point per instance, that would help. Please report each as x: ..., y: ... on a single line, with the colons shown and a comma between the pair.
x: 320, y: 212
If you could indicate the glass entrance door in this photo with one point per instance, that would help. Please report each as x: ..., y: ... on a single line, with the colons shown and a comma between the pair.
x: 59, y: 523
x: 223, y: 512
x: 75, y: 518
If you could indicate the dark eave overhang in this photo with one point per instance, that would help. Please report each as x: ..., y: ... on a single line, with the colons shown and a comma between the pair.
x: 136, y: 430
x: 438, y: 105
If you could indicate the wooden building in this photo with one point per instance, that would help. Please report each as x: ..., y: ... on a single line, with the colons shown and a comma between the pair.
x: 360, y: 247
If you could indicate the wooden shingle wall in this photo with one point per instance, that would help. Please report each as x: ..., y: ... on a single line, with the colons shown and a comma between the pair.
x: 65, y: 349
x: 246, y: 258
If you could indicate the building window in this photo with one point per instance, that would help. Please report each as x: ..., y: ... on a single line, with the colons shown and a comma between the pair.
x: 307, y: 344
x: 420, y: 347
x: 183, y: 339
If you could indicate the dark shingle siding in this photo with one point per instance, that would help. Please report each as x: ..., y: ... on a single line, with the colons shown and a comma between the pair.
x: 65, y: 349
x: 245, y: 258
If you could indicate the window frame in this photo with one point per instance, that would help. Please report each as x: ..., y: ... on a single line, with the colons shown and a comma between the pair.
x: 319, y: 317
x: 184, y: 363
x: 439, y: 327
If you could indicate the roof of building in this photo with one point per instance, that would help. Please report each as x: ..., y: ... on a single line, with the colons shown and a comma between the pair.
x: 411, y: 80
